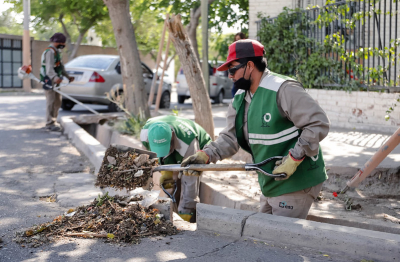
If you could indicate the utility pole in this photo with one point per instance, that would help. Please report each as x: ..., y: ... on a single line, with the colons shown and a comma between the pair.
x: 26, y: 43
x: 204, y: 29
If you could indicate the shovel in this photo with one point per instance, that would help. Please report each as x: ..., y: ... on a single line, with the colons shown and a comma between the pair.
x: 172, y: 194
x: 207, y: 167
x: 224, y: 167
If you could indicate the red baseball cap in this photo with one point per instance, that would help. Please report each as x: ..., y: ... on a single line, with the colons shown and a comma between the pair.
x: 241, y: 49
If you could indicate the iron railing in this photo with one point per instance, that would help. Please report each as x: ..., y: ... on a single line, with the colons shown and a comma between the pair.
x: 364, y: 25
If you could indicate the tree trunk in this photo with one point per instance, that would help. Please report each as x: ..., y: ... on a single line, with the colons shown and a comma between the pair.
x: 75, y: 48
x: 67, y: 35
x: 131, y: 68
x: 195, y: 14
x: 194, y: 77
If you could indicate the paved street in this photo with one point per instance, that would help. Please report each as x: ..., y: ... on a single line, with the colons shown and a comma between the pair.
x: 34, y: 163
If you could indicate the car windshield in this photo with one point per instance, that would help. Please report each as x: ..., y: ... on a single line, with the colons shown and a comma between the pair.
x: 96, y: 62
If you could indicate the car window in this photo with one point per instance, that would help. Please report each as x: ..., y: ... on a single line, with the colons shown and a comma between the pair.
x: 96, y: 62
x: 146, y: 71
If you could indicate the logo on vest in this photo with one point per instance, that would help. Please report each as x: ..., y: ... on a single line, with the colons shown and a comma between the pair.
x: 265, y: 119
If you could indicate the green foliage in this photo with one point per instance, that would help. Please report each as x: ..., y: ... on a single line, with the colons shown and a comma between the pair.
x: 103, y: 198
x: 220, y: 12
x: 132, y: 125
x: 289, y: 51
x: 9, y: 25
x: 80, y: 15
x: 220, y: 45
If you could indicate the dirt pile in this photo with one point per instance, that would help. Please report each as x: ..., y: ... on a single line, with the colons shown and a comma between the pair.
x: 125, y: 170
x: 116, y: 219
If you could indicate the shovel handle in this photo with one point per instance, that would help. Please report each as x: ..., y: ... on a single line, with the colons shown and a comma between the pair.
x: 220, y: 167
x: 202, y: 167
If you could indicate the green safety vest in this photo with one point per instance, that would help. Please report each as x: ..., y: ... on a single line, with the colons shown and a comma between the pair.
x: 270, y: 135
x: 185, y: 130
x: 57, y: 63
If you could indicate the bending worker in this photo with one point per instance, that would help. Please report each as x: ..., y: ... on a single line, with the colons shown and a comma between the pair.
x: 53, y: 68
x: 271, y: 115
x: 174, y: 138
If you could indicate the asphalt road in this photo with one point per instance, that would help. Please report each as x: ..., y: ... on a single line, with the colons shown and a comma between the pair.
x: 33, y: 161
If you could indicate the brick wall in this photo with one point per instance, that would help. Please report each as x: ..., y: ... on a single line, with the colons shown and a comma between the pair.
x: 359, y: 110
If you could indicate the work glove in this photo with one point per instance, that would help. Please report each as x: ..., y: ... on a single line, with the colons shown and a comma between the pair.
x: 287, y: 165
x: 199, y: 158
x: 186, y: 217
x: 71, y: 79
x: 166, y: 175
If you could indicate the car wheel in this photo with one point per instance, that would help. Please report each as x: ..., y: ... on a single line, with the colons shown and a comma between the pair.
x: 67, y: 105
x: 181, y: 99
x: 220, y: 97
x: 165, y: 100
x: 113, y: 107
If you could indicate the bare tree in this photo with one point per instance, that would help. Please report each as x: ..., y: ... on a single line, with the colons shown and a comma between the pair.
x: 191, y: 68
x: 131, y: 68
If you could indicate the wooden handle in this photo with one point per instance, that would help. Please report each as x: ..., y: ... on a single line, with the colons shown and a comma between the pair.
x: 202, y: 167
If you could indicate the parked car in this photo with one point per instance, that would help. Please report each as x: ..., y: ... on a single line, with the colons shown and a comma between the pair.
x: 97, y: 74
x: 220, y: 86
x: 167, y: 77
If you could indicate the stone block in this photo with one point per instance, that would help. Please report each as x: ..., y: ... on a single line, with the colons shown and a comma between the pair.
x: 355, y: 242
x: 223, y: 220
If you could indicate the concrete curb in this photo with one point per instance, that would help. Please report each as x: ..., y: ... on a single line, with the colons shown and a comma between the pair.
x: 84, y: 142
x: 353, y: 242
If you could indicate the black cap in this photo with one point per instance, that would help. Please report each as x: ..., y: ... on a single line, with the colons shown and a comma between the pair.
x: 58, y: 38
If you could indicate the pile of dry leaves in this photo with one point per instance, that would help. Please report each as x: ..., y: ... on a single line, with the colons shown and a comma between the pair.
x: 125, y: 170
x: 117, y: 219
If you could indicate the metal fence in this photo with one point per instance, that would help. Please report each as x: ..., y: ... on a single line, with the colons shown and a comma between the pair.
x: 10, y: 61
x: 362, y: 25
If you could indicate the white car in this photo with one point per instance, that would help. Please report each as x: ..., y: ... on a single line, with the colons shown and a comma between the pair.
x: 220, y: 86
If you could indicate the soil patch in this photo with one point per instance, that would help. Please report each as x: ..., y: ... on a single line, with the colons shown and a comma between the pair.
x: 116, y: 219
x: 125, y: 169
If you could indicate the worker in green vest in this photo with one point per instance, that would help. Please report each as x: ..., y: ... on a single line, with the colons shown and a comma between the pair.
x: 174, y: 138
x: 52, y: 67
x: 271, y: 115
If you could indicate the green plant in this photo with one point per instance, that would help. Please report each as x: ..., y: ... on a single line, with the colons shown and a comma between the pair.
x: 103, y: 198
x: 175, y: 111
x: 328, y: 63
x: 290, y: 52
x: 131, y: 125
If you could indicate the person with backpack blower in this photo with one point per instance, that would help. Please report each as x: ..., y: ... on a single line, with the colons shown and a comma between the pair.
x: 51, y: 71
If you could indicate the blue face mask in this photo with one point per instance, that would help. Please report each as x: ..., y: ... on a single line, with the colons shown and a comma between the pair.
x: 243, y: 83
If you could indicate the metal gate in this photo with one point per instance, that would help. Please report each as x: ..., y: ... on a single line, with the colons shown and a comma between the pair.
x: 10, y: 61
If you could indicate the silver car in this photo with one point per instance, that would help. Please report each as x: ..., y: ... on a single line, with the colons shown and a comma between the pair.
x: 220, y: 86
x: 97, y: 74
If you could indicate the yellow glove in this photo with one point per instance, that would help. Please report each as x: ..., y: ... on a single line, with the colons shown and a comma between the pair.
x: 287, y: 165
x: 165, y: 175
x: 199, y: 158
x: 186, y: 217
